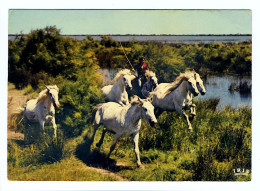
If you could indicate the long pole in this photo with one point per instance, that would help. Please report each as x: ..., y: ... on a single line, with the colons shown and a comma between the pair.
x: 125, y: 54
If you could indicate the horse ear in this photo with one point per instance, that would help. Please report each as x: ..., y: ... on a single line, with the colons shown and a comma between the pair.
x: 195, y: 76
x: 132, y: 77
x: 141, y: 102
x: 150, y: 99
x: 56, y: 87
x: 47, y: 88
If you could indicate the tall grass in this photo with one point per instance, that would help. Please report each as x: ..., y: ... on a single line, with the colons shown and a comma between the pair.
x: 221, y: 142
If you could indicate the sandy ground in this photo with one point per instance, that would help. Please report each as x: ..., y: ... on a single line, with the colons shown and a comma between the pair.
x: 16, y: 99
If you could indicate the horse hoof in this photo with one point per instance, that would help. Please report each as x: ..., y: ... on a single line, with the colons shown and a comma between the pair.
x: 191, y: 117
x: 190, y: 130
x: 141, y: 166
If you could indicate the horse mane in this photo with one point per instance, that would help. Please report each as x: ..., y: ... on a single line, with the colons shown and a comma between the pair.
x: 149, y: 73
x: 183, y: 76
x: 44, y: 94
x: 122, y: 73
x: 135, y: 100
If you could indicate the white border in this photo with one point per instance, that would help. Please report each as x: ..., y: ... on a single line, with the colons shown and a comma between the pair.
x: 130, y: 4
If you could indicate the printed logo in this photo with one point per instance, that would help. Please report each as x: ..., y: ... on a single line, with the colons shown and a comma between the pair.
x: 241, y: 172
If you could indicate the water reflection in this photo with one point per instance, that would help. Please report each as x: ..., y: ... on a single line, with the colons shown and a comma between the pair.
x: 218, y: 87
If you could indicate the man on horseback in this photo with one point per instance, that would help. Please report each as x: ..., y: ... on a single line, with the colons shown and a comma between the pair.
x: 142, y: 68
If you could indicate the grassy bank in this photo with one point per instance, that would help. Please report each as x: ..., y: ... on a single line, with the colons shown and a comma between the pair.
x: 220, y: 143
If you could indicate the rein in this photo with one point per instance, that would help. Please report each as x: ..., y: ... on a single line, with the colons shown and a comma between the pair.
x: 126, y: 55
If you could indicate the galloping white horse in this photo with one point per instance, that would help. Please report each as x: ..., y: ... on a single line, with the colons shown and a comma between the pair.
x: 201, y: 89
x: 176, y: 96
x: 150, y: 84
x: 200, y: 84
x: 123, y: 121
x: 42, y: 109
x: 117, y: 91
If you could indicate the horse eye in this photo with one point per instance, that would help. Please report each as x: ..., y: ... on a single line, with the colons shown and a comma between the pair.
x: 145, y: 109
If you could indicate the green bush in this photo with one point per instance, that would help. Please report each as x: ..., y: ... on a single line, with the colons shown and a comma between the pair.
x: 77, y: 99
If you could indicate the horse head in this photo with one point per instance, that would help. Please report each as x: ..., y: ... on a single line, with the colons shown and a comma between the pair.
x: 127, y: 78
x: 153, y: 80
x: 193, y: 86
x: 147, y: 109
x: 53, y: 92
x: 200, y: 84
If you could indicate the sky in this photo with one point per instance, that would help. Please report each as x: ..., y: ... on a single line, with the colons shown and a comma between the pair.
x: 132, y: 21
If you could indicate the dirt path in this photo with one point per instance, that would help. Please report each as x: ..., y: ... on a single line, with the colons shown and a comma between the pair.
x: 106, y: 172
x: 16, y: 99
x: 109, y: 173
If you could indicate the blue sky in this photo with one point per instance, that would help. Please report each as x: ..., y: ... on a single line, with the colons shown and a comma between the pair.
x: 133, y: 21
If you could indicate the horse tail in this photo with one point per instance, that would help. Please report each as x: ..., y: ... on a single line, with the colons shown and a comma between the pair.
x: 16, y: 119
x: 95, y: 110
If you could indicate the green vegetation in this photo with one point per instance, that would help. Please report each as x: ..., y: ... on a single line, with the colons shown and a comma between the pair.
x: 221, y: 140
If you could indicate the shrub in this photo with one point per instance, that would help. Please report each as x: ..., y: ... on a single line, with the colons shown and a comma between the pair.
x: 77, y: 101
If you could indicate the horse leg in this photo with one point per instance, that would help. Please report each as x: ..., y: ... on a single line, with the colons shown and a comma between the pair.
x: 113, y: 146
x: 95, y: 130
x: 102, y: 138
x: 54, y: 127
x: 182, y: 113
x: 42, y: 125
x: 140, y: 82
x: 193, y: 111
x: 135, y: 138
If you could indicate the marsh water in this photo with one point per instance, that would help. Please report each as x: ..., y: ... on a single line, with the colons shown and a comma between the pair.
x: 186, y: 39
x: 218, y: 87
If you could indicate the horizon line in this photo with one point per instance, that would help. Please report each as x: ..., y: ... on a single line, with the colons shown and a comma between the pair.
x: 224, y: 34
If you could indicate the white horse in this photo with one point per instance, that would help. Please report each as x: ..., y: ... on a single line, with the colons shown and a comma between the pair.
x: 41, y: 110
x: 117, y: 91
x: 199, y: 83
x: 123, y: 121
x: 201, y: 89
x: 176, y: 96
x: 150, y: 84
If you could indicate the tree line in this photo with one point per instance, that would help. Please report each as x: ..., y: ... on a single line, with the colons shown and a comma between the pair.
x: 45, y: 52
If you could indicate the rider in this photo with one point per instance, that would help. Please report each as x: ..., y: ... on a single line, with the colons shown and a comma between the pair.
x: 142, y: 68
